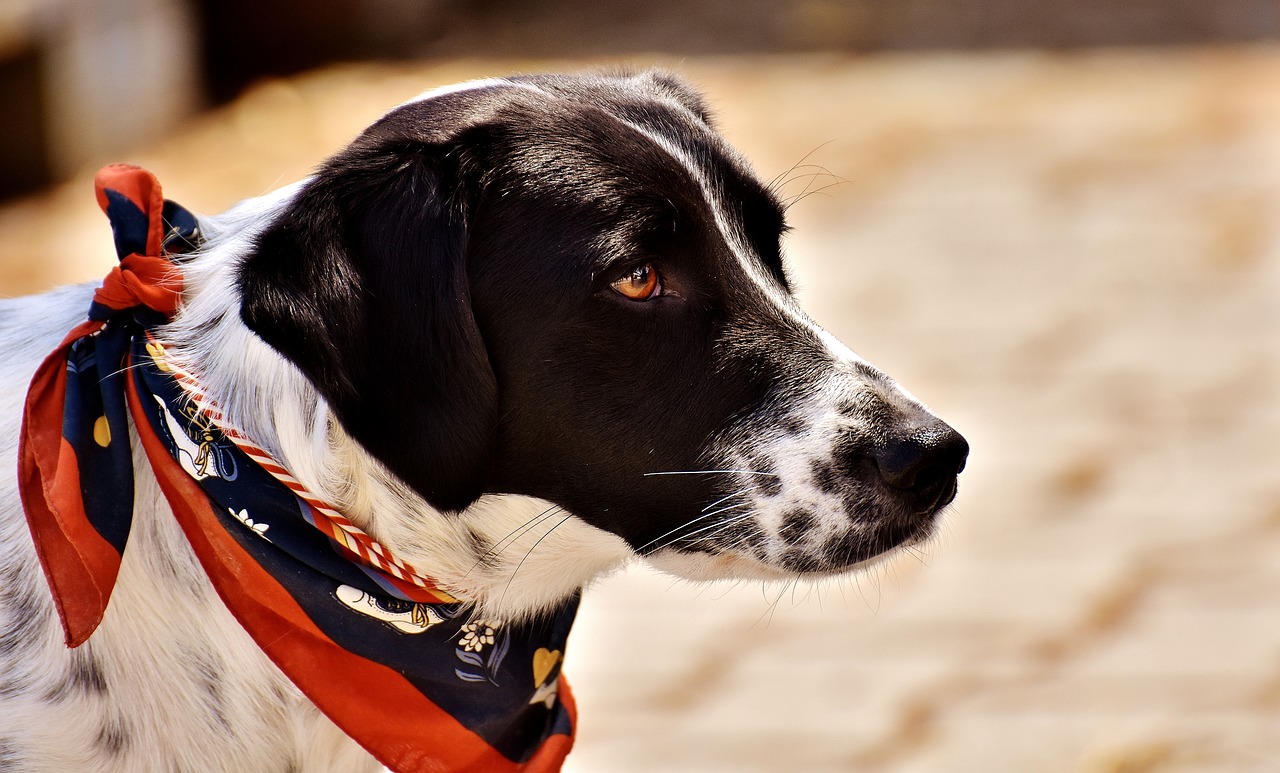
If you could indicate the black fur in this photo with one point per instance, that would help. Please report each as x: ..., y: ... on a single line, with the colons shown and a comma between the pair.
x: 115, y: 735
x: 83, y: 676
x: 362, y: 283
x: 12, y: 758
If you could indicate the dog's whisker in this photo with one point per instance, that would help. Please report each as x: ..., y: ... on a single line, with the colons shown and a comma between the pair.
x: 857, y: 582
x: 746, y: 537
x: 528, y: 553
x: 818, y: 171
x: 687, y: 524
x: 807, y: 193
x: 123, y: 370
x: 738, y: 493
x: 728, y: 521
x: 918, y: 555
x: 716, y: 529
x: 512, y: 537
x: 767, y: 614
x: 711, y: 472
x: 812, y: 176
x: 798, y: 165
x: 520, y: 531
x: 731, y: 588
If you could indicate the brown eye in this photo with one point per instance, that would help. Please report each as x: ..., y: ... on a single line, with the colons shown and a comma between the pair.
x: 639, y: 284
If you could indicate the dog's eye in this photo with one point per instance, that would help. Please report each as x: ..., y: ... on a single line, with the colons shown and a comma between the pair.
x: 640, y: 283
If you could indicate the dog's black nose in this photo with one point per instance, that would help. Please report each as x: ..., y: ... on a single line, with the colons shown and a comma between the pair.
x: 924, y: 464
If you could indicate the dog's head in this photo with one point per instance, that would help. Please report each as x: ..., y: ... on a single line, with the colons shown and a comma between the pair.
x: 572, y: 288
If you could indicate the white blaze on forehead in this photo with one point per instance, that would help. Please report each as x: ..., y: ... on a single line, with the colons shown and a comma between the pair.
x: 440, y: 91
x: 471, y: 85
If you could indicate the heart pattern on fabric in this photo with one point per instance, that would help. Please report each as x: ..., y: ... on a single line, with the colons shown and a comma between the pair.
x: 544, y: 660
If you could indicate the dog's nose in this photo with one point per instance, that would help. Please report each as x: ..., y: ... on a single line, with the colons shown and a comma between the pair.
x: 924, y: 464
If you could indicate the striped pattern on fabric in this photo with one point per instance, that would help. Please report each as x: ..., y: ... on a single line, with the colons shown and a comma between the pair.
x: 353, y: 541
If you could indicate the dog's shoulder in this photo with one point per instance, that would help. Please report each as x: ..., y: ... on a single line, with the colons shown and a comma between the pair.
x: 30, y: 328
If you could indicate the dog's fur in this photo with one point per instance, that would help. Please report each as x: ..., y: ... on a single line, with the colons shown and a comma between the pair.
x: 426, y: 334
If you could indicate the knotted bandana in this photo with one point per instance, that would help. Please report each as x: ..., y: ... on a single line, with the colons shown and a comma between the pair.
x: 393, y: 660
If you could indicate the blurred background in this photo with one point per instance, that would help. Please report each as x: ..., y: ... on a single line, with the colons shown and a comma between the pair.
x: 1058, y: 223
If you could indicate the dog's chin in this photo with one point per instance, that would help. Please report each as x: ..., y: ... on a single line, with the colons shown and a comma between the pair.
x: 733, y: 564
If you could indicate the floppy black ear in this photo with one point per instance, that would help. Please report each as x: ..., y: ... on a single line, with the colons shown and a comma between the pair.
x: 362, y: 284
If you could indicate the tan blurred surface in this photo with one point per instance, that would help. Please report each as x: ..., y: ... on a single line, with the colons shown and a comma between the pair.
x: 1073, y: 258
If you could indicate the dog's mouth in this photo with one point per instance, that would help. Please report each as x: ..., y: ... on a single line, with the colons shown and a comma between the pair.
x: 824, y: 496
x: 750, y: 548
x: 794, y: 563
x: 947, y: 491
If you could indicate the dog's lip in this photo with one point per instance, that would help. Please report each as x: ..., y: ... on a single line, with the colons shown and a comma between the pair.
x: 731, y: 564
x: 946, y: 495
x: 735, y: 565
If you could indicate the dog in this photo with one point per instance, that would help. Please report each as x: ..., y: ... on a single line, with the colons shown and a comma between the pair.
x: 519, y: 332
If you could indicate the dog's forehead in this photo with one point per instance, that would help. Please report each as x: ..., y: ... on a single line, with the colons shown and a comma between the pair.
x: 625, y: 151
x: 636, y: 123
x: 616, y: 93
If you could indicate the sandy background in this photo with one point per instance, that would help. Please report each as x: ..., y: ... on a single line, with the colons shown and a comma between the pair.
x: 1073, y: 258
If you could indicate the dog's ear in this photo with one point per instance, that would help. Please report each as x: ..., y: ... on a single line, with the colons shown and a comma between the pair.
x: 362, y: 284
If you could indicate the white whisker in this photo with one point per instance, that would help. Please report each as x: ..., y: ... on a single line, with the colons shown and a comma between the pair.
x: 711, y: 472
x: 720, y: 526
x: 724, y: 499
x: 686, y: 524
x: 511, y: 538
x: 535, y: 545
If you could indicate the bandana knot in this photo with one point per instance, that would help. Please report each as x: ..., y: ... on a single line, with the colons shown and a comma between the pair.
x: 142, y: 280
x: 150, y: 234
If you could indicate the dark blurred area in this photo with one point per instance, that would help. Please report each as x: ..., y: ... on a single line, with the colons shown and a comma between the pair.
x: 83, y: 79
x: 245, y: 39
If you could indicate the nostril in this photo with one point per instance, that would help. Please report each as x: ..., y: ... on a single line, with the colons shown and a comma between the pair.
x: 924, y: 463
x: 900, y: 462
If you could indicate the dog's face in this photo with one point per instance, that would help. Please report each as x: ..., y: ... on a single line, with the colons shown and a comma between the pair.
x: 571, y: 288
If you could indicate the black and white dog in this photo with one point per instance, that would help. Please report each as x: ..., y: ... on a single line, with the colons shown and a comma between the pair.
x: 505, y: 297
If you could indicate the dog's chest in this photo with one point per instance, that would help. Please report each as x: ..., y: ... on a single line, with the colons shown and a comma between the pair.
x: 205, y: 672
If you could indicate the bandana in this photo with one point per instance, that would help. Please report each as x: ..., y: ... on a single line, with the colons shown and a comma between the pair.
x: 391, y: 658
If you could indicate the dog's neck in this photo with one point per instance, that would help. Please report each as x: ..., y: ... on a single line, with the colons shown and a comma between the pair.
x: 504, y: 554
